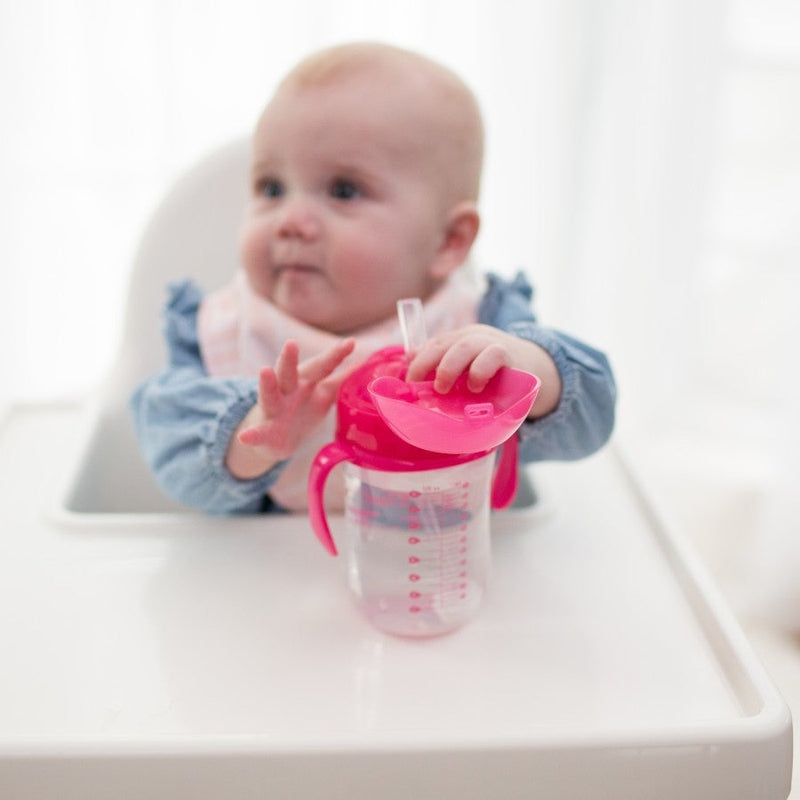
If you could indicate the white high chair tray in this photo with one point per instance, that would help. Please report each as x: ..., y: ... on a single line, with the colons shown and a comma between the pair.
x: 176, y: 655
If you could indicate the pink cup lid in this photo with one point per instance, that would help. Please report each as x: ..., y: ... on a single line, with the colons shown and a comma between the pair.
x: 387, y: 419
x: 461, y: 420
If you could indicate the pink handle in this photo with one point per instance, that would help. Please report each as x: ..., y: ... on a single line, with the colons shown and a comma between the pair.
x: 327, y: 458
x: 504, y: 485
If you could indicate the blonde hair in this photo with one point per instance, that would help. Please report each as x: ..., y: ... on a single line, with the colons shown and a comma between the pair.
x: 457, y: 117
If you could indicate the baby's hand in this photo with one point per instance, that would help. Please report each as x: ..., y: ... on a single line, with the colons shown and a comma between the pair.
x: 292, y: 399
x: 480, y: 351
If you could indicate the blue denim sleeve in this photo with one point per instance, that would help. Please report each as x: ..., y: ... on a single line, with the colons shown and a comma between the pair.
x: 584, y: 418
x: 184, y: 420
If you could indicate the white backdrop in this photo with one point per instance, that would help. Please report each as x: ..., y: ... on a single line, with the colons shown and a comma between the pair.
x: 643, y: 167
x: 113, y: 99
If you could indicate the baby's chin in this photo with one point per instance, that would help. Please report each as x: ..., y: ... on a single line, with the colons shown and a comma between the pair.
x: 348, y: 322
x: 313, y: 318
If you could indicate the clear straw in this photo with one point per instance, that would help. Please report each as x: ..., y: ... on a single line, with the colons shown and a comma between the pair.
x: 412, y: 324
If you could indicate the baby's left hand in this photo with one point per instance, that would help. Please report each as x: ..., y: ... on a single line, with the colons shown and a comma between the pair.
x: 480, y: 351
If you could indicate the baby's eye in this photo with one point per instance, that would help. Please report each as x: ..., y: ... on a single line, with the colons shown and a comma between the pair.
x: 343, y: 189
x: 270, y: 187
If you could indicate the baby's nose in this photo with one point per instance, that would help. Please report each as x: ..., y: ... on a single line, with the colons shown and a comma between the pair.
x: 299, y: 218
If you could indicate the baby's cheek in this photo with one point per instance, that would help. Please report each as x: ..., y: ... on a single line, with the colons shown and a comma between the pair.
x: 248, y: 244
x: 254, y: 257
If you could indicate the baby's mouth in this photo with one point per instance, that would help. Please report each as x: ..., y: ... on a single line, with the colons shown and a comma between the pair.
x: 296, y: 269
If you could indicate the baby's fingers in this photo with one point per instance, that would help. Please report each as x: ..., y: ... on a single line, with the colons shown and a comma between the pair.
x: 286, y: 367
x: 485, y: 366
x: 270, y: 397
x: 426, y: 360
x: 321, y: 366
x: 456, y: 360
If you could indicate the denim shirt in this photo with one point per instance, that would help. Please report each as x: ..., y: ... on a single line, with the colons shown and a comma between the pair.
x: 184, y: 418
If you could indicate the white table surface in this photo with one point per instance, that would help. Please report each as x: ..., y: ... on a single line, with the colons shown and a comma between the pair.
x: 185, y: 656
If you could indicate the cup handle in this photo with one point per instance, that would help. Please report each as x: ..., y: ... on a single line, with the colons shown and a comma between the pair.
x: 504, y: 484
x: 326, y: 459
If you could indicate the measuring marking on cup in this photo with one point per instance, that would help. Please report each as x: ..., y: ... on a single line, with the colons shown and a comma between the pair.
x: 418, y: 545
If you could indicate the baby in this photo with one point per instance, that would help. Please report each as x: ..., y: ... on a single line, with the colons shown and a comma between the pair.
x: 365, y: 175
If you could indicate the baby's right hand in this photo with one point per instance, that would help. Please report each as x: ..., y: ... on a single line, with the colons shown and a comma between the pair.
x: 292, y: 399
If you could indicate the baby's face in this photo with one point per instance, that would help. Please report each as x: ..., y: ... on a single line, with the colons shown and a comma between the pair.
x: 345, y: 215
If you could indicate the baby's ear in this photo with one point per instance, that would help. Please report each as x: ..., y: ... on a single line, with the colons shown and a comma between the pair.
x: 461, y: 229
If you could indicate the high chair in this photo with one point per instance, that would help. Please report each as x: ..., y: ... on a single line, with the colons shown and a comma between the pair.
x: 152, y: 652
x: 191, y: 234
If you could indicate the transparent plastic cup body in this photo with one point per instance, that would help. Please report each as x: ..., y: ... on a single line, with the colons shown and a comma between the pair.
x: 418, y: 545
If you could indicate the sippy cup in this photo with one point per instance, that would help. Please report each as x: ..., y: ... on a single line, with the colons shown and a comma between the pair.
x: 420, y: 474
